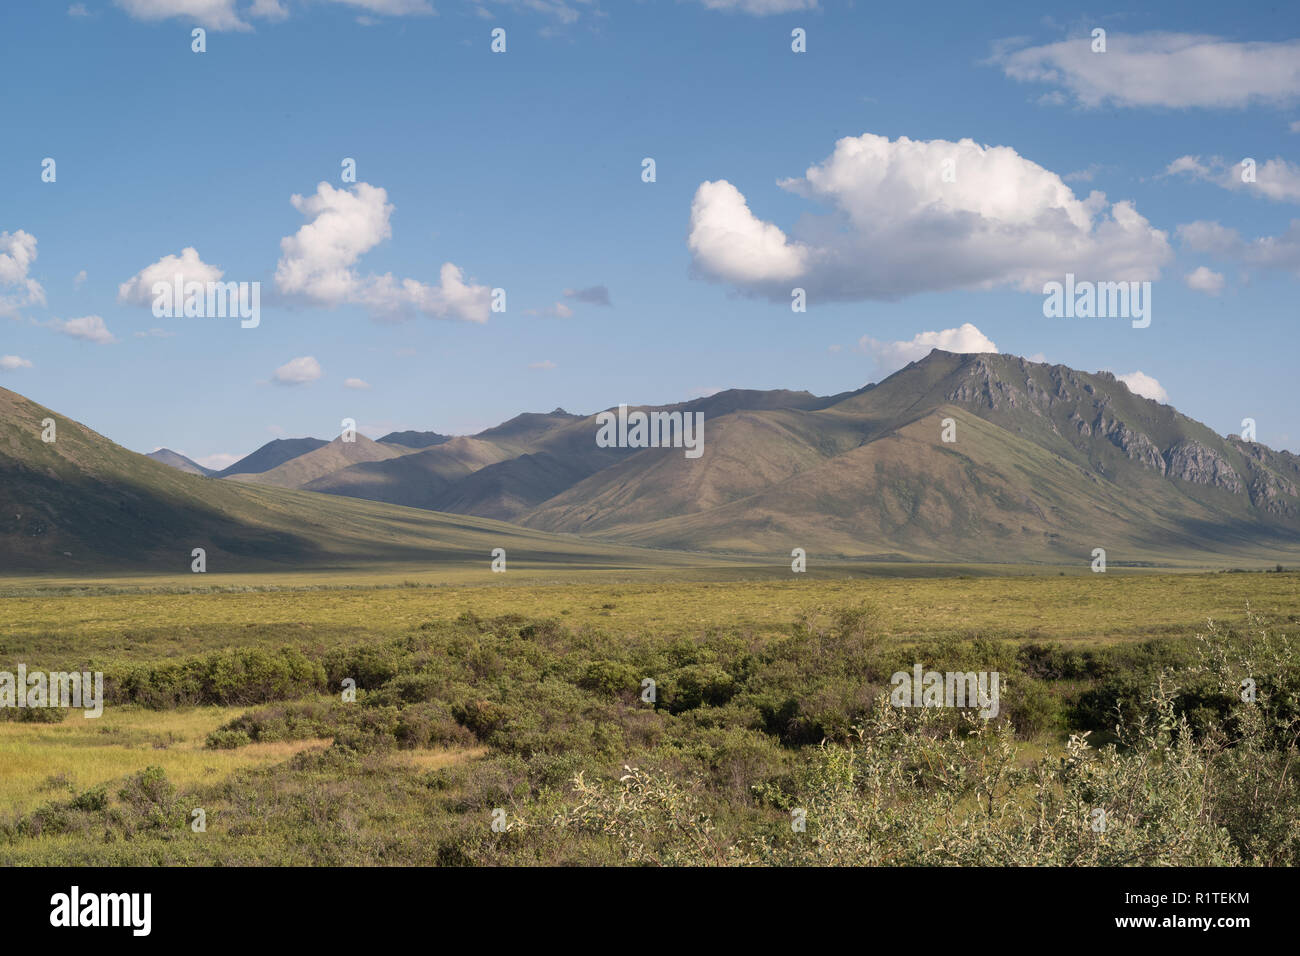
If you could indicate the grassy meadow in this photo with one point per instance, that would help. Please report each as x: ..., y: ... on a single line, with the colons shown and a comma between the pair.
x: 519, y: 700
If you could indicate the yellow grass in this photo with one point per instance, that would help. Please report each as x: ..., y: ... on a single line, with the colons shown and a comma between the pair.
x: 1082, y: 606
x: 39, y: 761
x: 435, y: 759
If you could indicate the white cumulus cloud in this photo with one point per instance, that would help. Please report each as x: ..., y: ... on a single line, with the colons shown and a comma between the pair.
x: 17, y: 253
x: 1162, y: 69
x: 10, y: 362
x: 138, y: 290
x: 891, y: 356
x: 298, y: 371
x: 1204, y: 279
x: 317, y: 262
x: 1140, y: 383
x: 357, y: 383
x: 910, y: 216
x: 730, y: 242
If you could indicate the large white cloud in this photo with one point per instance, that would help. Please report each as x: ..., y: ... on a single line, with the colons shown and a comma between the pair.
x: 898, y: 226
x: 317, y: 262
x: 17, y: 253
x: 730, y: 242
x: 891, y: 356
x: 1140, y: 383
x: 1162, y: 69
x: 138, y: 290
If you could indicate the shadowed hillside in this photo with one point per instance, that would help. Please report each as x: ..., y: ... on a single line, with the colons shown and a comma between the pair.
x: 83, y: 503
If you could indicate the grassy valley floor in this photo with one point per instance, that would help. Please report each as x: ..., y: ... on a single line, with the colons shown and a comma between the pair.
x: 520, y: 700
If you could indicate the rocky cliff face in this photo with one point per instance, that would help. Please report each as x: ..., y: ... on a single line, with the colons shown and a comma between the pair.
x: 1273, y: 477
x: 1093, y: 407
x: 1137, y: 446
x: 1192, y: 461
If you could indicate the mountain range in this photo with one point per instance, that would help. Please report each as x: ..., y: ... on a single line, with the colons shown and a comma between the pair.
x: 1045, y: 463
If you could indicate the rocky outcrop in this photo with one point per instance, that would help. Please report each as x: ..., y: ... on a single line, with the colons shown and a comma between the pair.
x: 984, y: 387
x: 1137, y: 446
x: 1273, y: 494
x: 1191, y: 461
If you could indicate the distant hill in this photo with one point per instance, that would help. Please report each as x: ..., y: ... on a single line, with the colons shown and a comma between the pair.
x: 419, y: 479
x: 326, y: 459
x: 178, y: 461
x: 271, y: 455
x: 82, y: 503
x: 414, y: 439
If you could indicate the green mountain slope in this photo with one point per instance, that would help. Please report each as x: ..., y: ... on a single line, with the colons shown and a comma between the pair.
x: 508, y: 471
x: 418, y: 479
x: 271, y: 455
x: 325, y: 460
x: 83, y: 504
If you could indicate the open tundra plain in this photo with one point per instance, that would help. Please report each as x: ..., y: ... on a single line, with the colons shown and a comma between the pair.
x: 721, y: 712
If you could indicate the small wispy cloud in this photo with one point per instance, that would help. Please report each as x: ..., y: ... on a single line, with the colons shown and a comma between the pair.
x: 557, y: 311
x: 593, y: 295
x: 89, y: 328
x: 299, y: 371
x: 1204, y: 280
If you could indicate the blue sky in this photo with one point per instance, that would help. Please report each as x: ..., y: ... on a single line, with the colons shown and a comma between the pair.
x: 523, y: 170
